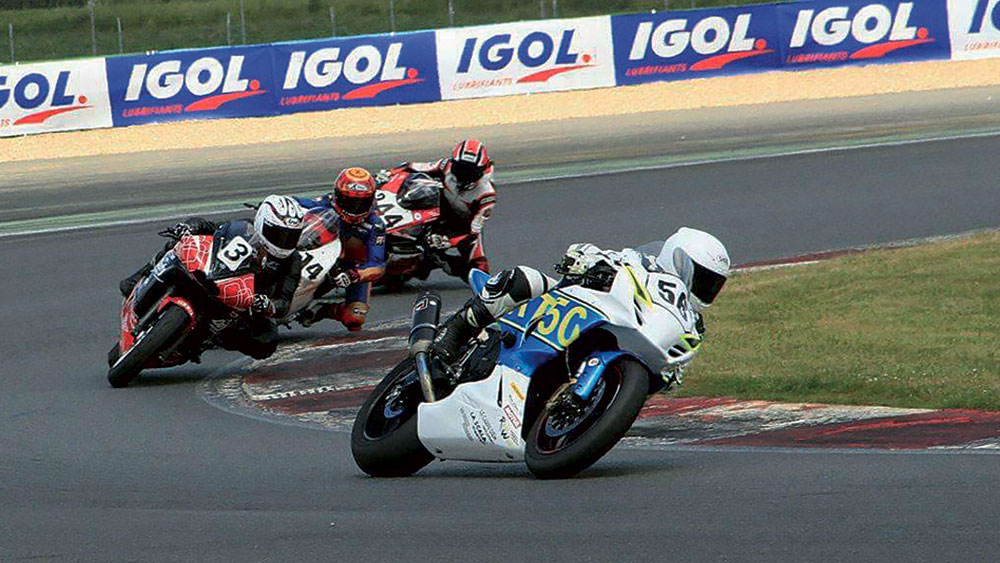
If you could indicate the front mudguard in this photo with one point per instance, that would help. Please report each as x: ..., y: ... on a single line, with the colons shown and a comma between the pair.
x: 591, y: 370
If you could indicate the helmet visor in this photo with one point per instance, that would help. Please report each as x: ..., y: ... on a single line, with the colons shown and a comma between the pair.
x: 285, y: 238
x: 353, y: 205
x: 466, y: 173
x: 706, y: 284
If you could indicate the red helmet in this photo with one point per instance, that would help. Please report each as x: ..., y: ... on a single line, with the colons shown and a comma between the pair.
x: 354, y: 194
x: 468, y: 163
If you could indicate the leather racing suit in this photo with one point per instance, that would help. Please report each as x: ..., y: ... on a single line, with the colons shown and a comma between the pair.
x: 362, y: 256
x: 464, y: 215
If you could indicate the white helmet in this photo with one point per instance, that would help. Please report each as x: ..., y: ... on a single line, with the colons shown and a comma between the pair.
x: 700, y: 260
x: 278, y: 225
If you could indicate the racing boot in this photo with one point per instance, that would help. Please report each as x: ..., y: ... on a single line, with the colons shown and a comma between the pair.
x: 459, y: 329
x: 352, y: 315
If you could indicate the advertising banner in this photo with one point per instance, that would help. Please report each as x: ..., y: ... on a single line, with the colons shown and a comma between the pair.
x: 57, y: 96
x: 525, y: 57
x: 695, y: 44
x: 975, y: 28
x: 837, y: 33
x: 196, y: 84
x: 357, y: 71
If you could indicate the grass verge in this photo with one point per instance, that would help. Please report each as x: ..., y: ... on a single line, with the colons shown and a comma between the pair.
x: 916, y: 327
x: 64, y: 32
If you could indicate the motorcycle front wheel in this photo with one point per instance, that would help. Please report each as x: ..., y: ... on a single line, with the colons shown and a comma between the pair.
x: 569, y: 437
x: 384, y: 438
x: 163, y: 331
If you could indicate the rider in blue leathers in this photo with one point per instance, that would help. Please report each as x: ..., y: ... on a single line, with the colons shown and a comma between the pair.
x: 362, y: 259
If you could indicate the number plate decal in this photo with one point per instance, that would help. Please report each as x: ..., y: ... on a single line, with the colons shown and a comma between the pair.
x: 235, y: 253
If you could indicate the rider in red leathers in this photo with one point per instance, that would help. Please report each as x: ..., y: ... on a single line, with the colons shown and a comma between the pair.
x: 467, y: 177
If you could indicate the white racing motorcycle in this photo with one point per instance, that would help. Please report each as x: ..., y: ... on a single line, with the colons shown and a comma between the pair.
x: 555, y: 383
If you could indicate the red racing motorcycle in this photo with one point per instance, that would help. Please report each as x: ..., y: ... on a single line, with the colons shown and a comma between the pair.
x: 199, y: 288
x: 410, y: 205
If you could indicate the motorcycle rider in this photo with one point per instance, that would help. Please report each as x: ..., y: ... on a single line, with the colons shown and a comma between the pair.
x: 362, y: 260
x: 467, y: 178
x: 276, y: 228
x: 699, y: 259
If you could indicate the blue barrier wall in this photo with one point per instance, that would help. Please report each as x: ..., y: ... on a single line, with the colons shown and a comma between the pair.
x: 428, y: 66
x: 838, y: 33
x: 199, y: 84
x: 695, y: 44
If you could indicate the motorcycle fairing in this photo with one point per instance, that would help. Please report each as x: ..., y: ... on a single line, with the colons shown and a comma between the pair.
x: 544, y: 327
x: 479, y: 421
x: 316, y: 264
x: 232, y: 251
x: 396, y: 217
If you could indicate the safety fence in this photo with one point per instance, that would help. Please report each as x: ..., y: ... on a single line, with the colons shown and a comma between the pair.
x: 491, y: 60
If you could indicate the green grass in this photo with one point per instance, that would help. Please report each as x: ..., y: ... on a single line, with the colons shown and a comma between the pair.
x: 916, y: 327
x: 64, y: 32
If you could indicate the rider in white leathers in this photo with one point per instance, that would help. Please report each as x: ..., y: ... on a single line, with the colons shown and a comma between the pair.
x: 699, y: 259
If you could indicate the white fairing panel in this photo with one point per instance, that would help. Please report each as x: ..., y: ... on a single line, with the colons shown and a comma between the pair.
x: 647, y: 323
x: 316, y: 264
x: 470, y: 425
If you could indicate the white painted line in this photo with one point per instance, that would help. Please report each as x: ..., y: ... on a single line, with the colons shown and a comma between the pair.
x: 782, y: 154
x: 589, y: 174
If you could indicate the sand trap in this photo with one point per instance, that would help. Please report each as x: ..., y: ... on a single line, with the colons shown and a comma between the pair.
x: 664, y: 96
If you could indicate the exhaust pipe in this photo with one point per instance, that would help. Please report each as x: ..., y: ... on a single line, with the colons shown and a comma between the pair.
x: 423, y: 329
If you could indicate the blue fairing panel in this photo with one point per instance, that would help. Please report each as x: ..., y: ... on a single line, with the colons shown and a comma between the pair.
x: 552, y: 322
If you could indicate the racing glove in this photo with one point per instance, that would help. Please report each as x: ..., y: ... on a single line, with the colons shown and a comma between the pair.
x: 579, y: 259
x: 438, y: 242
x: 262, y: 304
x: 345, y: 278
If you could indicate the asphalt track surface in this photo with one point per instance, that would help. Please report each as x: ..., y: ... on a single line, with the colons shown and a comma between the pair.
x: 154, y: 473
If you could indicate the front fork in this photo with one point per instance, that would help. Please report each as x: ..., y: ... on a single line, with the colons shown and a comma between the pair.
x: 591, y: 370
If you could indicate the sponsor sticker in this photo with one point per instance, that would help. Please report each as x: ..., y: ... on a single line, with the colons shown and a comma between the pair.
x: 525, y: 57
x: 56, y: 96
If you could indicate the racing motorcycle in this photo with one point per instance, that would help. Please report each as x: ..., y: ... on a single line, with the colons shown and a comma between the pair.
x: 410, y: 205
x: 200, y: 287
x: 203, y: 286
x: 556, y: 383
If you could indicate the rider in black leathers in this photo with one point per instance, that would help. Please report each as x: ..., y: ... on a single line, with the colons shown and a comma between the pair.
x: 275, y: 281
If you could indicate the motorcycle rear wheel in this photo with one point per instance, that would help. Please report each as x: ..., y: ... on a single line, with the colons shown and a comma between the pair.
x: 561, y: 446
x: 172, y: 320
x: 384, y: 439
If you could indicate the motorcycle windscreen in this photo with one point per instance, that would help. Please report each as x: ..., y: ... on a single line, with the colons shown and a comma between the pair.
x: 321, y: 228
x: 234, y: 250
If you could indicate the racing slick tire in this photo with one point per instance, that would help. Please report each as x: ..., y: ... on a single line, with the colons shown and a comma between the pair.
x: 559, y: 448
x: 172, y: 321
x: 384, y: 439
